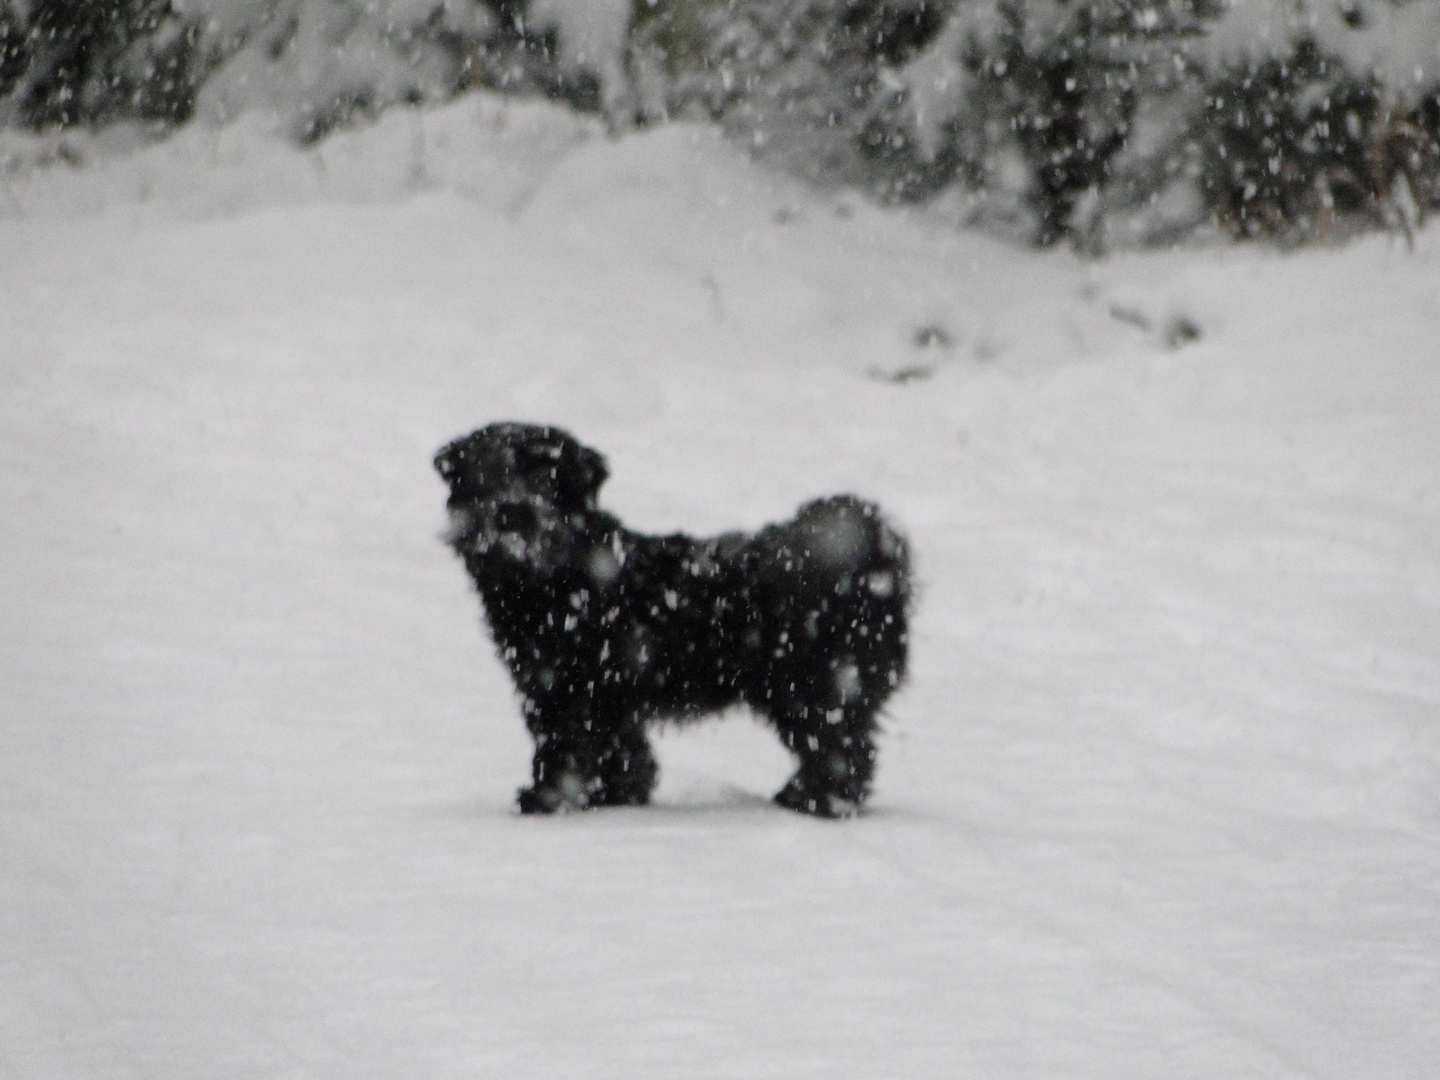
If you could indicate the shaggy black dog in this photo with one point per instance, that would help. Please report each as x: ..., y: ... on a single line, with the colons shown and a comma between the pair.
x: 606, y: 630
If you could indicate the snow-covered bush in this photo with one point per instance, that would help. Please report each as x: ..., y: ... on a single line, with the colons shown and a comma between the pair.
x: 1056, y: 109
x: 793, y: 78
x: 1105, y: 117
x: 1096, y: 121
x: 317, y: 63
x: 1299, y: 142
x: 313, y: 63
x: 578, y: 51
x: 1100, y: 121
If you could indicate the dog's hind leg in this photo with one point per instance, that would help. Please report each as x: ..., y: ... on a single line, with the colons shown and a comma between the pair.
x: 836, y: 748
x: 627, y: 768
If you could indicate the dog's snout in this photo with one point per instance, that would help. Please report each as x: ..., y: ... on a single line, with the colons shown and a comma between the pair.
x: 461, y: 523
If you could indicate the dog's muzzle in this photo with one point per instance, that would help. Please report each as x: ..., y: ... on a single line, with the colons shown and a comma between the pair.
x: 521, y: 530
x: 462, y: 526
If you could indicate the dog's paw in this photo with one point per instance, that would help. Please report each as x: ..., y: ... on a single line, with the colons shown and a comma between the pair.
x: 620, y: 797
x: 538, y: 800
x: 569, y: 792
x: 826, y: 805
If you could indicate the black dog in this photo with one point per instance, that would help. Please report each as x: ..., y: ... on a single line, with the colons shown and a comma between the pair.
x: 605, y: 630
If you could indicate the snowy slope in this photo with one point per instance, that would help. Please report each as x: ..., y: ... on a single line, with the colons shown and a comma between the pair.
x: 1160, y: 798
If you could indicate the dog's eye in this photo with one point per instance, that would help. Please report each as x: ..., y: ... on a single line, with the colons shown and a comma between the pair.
x: 472, y: 479
x: 539, y: 471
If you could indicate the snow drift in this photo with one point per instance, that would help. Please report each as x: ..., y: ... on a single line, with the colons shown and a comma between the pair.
x: 1160, y: 797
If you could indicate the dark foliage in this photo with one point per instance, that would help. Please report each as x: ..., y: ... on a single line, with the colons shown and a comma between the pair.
x: 518, y: 58
x: 606, y: 630
x: 70, y: 62
x: 1295, y: 146
x: 889, y: 31
x: 1070, y: 112
x: 1411, y: 147
x: 1288, y: 142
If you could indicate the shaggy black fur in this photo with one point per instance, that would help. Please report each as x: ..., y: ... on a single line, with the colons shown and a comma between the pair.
x: 606, y: 630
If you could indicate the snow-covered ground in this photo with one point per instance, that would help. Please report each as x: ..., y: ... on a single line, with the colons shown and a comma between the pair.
x: 1161, y: 799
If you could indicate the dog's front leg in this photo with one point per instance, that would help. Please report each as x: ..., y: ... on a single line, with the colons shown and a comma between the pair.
x: 563, y: 773
x: 586, y: 756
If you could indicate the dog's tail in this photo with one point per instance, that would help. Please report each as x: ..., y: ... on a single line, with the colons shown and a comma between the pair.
x: 849, y: 540
x: 856, y: 565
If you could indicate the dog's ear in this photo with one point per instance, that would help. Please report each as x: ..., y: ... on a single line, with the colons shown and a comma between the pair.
x: 580, y: 475
x: 449, y: 459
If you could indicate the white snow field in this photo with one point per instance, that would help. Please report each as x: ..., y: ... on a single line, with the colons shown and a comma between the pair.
x: 1160, y: 799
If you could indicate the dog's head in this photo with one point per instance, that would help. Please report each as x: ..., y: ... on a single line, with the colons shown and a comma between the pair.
x: 512, y: 484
